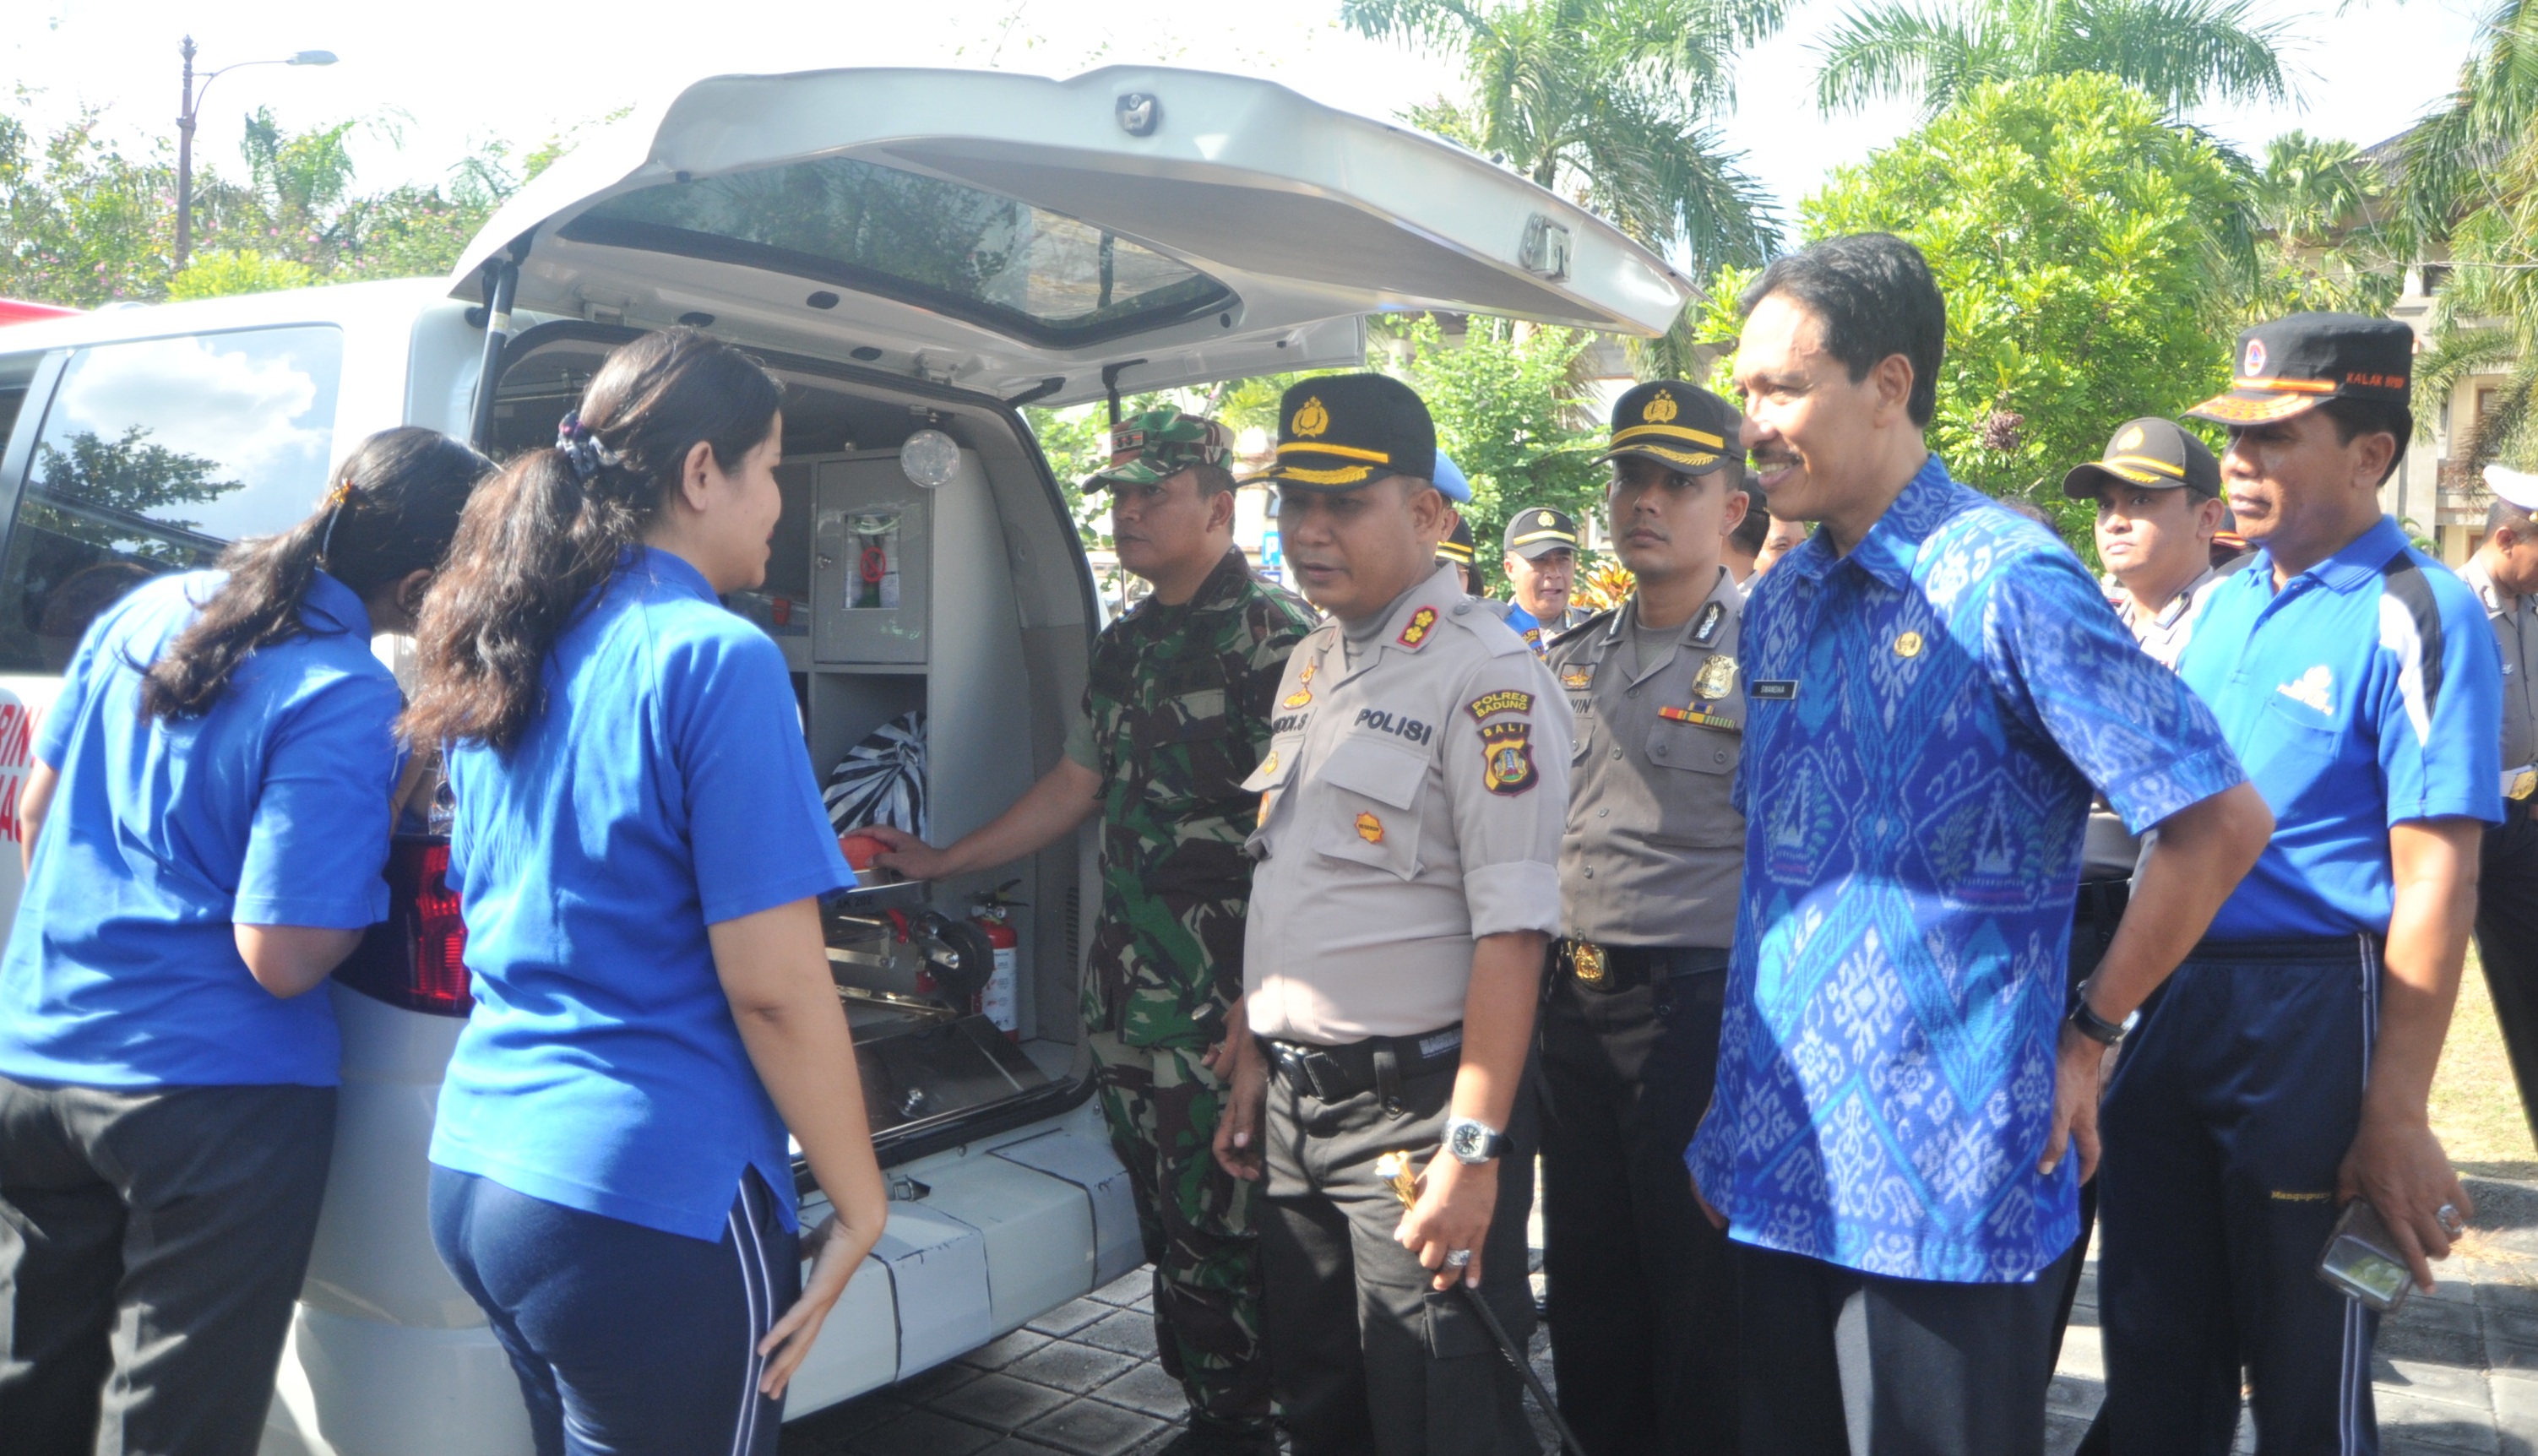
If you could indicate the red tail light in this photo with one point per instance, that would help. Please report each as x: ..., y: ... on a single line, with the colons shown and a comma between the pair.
x: 415, y: 959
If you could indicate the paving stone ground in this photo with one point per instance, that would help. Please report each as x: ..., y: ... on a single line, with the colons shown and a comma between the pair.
x: 2456, y: 1372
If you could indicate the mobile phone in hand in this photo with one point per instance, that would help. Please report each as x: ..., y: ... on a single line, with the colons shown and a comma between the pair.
x: 2362, y: 1261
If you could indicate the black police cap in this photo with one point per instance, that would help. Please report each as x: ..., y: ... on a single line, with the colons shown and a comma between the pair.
x: 1458, y: 547
x: 1681, y: 427
x: 2294, y: 365
x: 1540, y: 529
x: 1343, y: 431
x: 2158, y: 454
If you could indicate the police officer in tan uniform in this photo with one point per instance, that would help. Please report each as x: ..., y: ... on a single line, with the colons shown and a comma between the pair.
x: 1642, y: 1296
x: 2505, y: 575
x: 1411, y: 808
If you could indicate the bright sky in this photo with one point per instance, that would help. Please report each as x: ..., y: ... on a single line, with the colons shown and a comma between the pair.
x: 2365, y: 75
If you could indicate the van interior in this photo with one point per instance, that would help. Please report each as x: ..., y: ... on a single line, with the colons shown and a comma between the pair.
x: 960, y: 612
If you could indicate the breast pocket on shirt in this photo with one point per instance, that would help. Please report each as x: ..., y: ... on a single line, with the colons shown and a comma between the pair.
x: 1696, y: 770
x: 1372, y: 807
x: 2290, y: 752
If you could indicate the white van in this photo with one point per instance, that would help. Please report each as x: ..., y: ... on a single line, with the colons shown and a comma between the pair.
x: 916, y: 254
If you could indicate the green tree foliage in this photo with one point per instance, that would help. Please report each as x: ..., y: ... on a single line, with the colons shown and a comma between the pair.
x: 1509, y: 412
x: 2324, y: 214
x: 2073, y: 233
x: 84, y: 222
x: 2182, y: 53
x: 109, y: 492
x: 2471, y: 183
x: 1611, y: 101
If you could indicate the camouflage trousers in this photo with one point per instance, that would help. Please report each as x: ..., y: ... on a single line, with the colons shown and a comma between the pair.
x: 1162, y: 1106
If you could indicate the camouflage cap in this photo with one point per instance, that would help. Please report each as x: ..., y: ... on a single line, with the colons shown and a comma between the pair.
x: 1158, y: 444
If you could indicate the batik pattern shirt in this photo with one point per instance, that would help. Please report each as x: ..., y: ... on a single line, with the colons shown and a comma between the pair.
x: 1926, y: 718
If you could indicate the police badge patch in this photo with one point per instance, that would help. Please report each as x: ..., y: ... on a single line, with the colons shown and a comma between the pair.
x: 1716, y: 678
x: 1506, y: 757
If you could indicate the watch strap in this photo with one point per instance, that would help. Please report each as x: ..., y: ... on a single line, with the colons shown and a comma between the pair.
x: 2095, y: 1027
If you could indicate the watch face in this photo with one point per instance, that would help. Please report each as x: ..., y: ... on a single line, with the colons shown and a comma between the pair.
x: 1467, y: 1139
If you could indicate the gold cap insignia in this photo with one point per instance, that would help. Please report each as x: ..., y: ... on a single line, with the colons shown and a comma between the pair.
x: 1370, y: 829
x: 2130, y: 440
x: 1660, y: 410
x: 1908, y: 645
x: 1310, y: 418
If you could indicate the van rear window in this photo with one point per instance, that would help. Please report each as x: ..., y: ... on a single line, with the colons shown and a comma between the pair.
x: 153, y: 456
x: 991, y: 259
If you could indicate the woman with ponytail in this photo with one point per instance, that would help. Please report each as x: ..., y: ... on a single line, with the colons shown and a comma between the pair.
x: 639, y: 850
x: 204, y: 830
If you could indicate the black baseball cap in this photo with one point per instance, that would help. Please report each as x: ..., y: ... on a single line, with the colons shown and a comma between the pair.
x: 2160, y: 454
x: 1681, y: 427
x: 1343, y: 431
x: 1538, y: 530
x: 2294, y: 365
x: 1457, y: 548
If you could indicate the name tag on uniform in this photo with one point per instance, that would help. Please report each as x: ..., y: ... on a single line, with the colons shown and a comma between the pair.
x: 1781, y: 688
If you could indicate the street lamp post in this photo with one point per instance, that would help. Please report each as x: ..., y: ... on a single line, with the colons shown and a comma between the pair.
x: 192, y: 106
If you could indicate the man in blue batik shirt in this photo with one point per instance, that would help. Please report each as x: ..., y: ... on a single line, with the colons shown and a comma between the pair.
x: 2283, y: 1071
x: 1935, y: 690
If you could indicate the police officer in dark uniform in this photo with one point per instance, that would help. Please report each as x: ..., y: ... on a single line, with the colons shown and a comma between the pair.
x: 1643, y: 1292
x: 2503, y: 574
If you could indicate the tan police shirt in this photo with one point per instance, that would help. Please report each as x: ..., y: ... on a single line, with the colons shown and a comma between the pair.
x: 2515, y: 631
x: 1409, y: 806
x: 1654, y: 850
x: 2163, y: 634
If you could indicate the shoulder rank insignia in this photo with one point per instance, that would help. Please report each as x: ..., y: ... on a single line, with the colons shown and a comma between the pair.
x: 1370, y: 829
x: 1716, y: 678
x: 1422, y: 622
x: 1506, y: 757
x: 1706, y: 631
x: 1692, y: 714
x: 1506, y: 701
x: 1576, y: 677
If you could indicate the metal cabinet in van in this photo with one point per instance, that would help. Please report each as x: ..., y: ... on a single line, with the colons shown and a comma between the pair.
x: 916, y: 254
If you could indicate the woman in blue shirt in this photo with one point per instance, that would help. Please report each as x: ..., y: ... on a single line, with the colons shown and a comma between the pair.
x: 638, y: 848
x: 204, y: 829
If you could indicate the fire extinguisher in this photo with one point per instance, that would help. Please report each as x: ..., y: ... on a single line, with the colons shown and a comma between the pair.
x: 997, y: 999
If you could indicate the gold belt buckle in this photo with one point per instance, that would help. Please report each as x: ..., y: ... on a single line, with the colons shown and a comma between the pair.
x: 2524, y: 784
x: 1586, y: 961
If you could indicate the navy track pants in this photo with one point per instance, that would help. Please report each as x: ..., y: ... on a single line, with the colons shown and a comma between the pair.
x: 628, y: 1341
x: 2230, y: 1109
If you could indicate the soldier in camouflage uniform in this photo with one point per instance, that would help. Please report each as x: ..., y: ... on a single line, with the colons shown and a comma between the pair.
x: 1175, y: 716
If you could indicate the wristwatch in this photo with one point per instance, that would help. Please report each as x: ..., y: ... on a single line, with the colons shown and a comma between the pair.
x: 2095, y: 1027
x: 1473, y: 1141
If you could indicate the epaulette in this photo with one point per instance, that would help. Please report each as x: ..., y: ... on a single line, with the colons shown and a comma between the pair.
x: 1597, y: 621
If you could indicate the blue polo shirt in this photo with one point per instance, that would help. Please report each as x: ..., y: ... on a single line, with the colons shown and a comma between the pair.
x: 271, y: 809
x: 2362, y: 695
x: 1927, y: 720
x: 664, y: 789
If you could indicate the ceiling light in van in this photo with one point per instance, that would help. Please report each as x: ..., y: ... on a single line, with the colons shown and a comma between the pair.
x: 930, y: 458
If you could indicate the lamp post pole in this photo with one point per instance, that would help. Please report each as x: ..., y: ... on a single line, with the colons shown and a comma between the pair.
x: 185, y: 161
x: 192, y: 102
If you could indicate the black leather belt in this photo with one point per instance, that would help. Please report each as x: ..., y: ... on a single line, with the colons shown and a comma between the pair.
x: 1351, y: 1068
x: 1611, y: 968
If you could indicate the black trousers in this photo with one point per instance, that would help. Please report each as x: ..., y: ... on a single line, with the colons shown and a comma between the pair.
x: 1365, y: 1358
x: 152, y: 1245
x: 1642, y: 1292
x: 2506, y: 941
x: 1842, y: 1363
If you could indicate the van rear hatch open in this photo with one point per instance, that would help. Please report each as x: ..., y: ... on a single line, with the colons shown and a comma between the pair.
x: 1021, y: 236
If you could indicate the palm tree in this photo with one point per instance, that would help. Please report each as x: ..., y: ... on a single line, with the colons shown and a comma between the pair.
x: 2471, y: 181
x: 2184, y: 52
x: 1610, y: 102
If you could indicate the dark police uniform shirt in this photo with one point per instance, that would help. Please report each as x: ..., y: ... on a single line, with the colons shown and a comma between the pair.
x: 269, y: 809
x: 2364, y: 693
x: 1654, y: 846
